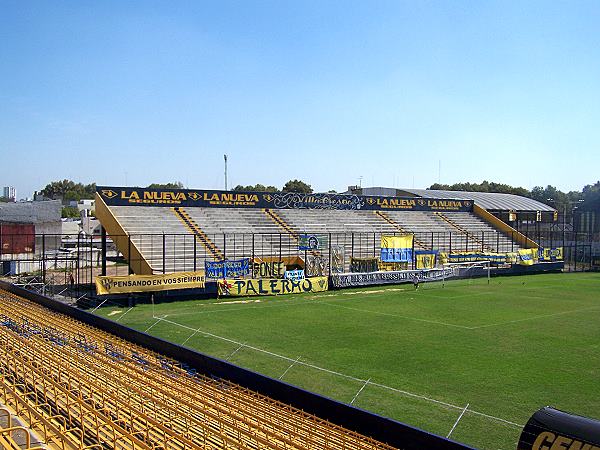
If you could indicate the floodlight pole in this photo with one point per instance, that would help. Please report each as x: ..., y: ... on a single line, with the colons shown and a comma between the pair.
x: 225, y: 158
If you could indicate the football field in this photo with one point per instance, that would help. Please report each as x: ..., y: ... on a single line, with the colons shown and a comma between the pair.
x: 493, y: 353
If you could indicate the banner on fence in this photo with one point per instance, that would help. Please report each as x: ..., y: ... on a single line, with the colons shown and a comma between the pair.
x: 274, y: 286
x: 425, y: 259
x: 294, y: 274
x: 551, y: 254
x: 392, y: 267
x: 311, y: 242
x: 268, y: 269
x: 337, y: 258
x: 405, y: 276
x: 149, y: 283
x: 227, y: 268
x: 498, y: 258
x: 527, y: 256
x: 316, y: 266
x: 396, y: 248
x: 362, y: 265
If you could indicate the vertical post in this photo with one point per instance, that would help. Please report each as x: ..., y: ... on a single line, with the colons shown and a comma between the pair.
x: 564, y: 226
x: 164, y: 253
x: 329, y: 244
x: 575, y: 253
x: 374, y: 244
x: 252, y: 246
x: 431, y: 240
x: 466, y: 242
x: 352, y: 248
x: 103, y: 250
x: 413, y: 256
x: 129, y: 254
x: 44, y: 259
x: 279, y: 246
x: 305, y: 256
x: 77, y: 263
x: 195, y: 254
x: 91, y: 279
x: 450, y: 242
x: 224, y: 246
x: 482, y: 241
x: 225, y: 158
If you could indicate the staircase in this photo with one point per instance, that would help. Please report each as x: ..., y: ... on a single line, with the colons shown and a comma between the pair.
x: 197, y: 232
x: 470, y: 235
x: 281, y: 223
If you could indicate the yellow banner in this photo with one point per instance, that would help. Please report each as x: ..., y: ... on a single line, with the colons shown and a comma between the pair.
x: 443, y: 257
x: 274, y: 286
x: 425, y: 260
x: 551, y: 254
x: 528, y: 256
x: 149, y: 283
x: 405, y: 241
x: 557, y: 253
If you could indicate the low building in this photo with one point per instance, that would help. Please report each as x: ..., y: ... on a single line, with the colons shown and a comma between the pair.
x: 32, y: 218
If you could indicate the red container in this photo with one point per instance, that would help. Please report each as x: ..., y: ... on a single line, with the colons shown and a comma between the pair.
x: 17, y: 238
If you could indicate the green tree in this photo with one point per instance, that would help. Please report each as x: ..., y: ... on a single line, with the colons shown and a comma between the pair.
x: 176, y: 185
x: 591, y: 196
x: 68, y: 190
x: 485, y: 186
x: 256, y: 188
x: 297, y: 186
x: 549, y: 195
x: 70, y: 212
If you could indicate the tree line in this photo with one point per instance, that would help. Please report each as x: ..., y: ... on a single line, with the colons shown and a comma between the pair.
x: 588, y: 197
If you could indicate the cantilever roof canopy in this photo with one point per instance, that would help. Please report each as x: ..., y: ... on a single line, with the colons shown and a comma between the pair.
x: 488, y: 200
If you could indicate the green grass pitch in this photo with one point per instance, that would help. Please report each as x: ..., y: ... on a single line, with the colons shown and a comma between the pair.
x: 420, y: 357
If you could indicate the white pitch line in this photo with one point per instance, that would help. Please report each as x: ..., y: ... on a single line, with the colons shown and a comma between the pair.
x: 190, y: 336
x: 360, y: 390
x: 158, y: 319
x: 234, y: 352
x: 289, y: 367
x: 349, y: 377
x: 399, y: 316
x: 121, y: 316
x: 544, y: 316
x: 458, y: 420
x: 99, y: 305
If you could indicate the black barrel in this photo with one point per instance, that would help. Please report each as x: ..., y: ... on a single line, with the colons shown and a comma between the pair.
x: 551, y: 429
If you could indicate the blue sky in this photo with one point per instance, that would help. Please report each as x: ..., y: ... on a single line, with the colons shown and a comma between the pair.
x: 139, y: 92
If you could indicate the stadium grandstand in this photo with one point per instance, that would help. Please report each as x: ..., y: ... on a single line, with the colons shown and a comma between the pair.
x: 162, y: 231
